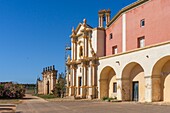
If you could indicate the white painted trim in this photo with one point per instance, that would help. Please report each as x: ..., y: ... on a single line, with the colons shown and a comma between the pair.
x: 124, y: 32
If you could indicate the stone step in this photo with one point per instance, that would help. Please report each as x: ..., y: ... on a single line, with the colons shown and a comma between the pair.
x: 7, y: 108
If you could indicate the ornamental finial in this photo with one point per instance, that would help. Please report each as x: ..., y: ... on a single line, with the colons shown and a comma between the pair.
x: 84, y: 21
x: 73, y: 32
x: 73, y: 29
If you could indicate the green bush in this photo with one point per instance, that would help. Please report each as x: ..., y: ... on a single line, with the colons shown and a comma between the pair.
x: 104, y: 98
x: 11, y: 91
x: 109, y: 99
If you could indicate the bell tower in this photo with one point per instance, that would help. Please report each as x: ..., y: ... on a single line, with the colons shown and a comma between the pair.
x: 104, y: 15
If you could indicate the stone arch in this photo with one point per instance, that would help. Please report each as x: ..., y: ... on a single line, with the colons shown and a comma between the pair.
x: 107, y: 78
x: 161, y: 80
x: 133, y: 82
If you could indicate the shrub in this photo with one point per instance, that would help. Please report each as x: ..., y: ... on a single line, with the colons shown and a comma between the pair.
x: 104, y: 98
x: 11, y: 91
x: 109, y: 99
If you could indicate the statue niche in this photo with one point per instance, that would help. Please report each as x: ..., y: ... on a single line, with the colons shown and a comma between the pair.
x: 80, y: 51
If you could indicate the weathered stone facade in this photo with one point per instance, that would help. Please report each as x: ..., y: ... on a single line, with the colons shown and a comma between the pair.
x: 82, y: 73
x: 47, y: 85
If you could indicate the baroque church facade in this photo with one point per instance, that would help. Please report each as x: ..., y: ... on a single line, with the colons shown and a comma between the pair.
x: 83, y: 65
x: 128, y: 59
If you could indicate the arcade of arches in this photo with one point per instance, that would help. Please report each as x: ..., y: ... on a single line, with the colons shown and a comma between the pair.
x: 133, y: 82
x: 107, y: 78
x: 161, y: 80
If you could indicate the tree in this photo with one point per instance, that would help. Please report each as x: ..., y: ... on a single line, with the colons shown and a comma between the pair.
x: 60, y: 85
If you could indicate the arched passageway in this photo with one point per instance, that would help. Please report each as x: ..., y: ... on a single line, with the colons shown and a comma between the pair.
x: 133, y: 82
x: 108, y: 84
x: 161, y: 80
x: 48, y: 87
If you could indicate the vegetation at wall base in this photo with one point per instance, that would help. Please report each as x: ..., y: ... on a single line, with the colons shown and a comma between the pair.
x: 108, y: 99
x: 49, y: 96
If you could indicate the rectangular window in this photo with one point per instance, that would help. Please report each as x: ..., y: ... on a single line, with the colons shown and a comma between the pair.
x: 114, y: 87
x: 142, y: 23
x: 114, y: 50
x: 111, y: 36
x: 141, y: 42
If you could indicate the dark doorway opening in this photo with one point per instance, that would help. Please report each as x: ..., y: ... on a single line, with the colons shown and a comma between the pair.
x: 135, y: 91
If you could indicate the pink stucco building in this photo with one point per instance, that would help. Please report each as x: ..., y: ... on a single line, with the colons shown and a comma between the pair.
x: 128, y: 59
x: 149, y: 20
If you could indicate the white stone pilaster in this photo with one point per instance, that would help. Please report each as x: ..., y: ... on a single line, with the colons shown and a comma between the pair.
x: 52, y: 83
x: 85, y: 75
x: 84, y: 48
x: 67, y: 78
x: 90, y: 76
x: 87, y: 47
x: 90, y: 83
x: 71, y: 74
x: 75, y: 51
x: 119, y: 89
x: 94, y: 75
x: 72, y: 48
x: 45, y: 86
x: 124, y: 32
x: 99, y: 21
x: 148, y: 88
x: 74, y: 76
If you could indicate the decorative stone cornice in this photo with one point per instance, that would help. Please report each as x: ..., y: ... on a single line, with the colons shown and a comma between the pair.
x: 149, y: 76
x: 73, y: 66
x: 104, y: 11
x: 94, y: 65
x: 73, y: 41
x: 72, y: 62
x: 118, y: 78
x: 135, y: 50
x: 99, y: 28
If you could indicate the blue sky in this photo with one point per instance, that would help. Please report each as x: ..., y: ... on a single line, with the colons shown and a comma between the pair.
x: 33, y: 33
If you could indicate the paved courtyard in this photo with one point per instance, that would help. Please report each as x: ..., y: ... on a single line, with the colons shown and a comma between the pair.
x: 37, y: 105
